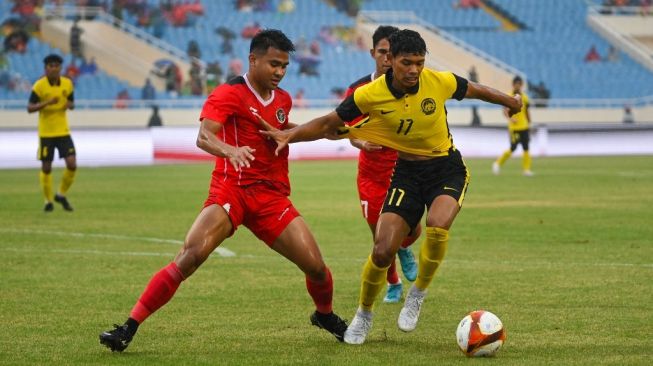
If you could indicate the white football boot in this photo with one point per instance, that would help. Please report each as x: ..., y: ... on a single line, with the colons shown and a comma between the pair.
x: 409, y: 314
x: 359, y: 327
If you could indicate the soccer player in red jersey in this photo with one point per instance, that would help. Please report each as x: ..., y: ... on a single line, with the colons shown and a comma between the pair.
x: 375, y: 166
x: 249, y: 186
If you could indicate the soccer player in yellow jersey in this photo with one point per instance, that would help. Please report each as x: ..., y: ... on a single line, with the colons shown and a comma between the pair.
x: 52, y: 95
x: 518, y: 127
x: 407, y: 113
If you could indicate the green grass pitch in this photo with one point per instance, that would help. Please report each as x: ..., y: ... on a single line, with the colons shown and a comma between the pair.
x: 564, y: 258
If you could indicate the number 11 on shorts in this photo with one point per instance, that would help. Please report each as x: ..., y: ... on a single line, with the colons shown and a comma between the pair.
x: 399, y: 198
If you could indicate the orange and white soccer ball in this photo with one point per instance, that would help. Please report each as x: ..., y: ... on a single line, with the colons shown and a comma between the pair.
x: 480, y: 334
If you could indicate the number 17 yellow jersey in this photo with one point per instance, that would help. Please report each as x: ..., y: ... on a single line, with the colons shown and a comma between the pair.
x: 413, y: 122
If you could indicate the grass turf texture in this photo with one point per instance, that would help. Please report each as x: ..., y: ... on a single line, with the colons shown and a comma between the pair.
x: 564, y: 258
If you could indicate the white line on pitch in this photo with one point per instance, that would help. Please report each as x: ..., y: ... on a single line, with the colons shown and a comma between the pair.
x: 223, y: 252
x: 89, y: 251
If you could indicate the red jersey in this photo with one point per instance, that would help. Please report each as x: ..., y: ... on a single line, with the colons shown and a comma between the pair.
x: 231, y: 104
x: 378, y: 165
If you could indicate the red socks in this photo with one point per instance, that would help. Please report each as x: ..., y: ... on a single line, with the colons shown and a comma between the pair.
x: 322, y: 293
x: 392, y: 277
x: 158, y: 292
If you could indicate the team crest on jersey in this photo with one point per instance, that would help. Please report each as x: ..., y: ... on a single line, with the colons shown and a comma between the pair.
x: 428, y: 106
x: 281, y: 116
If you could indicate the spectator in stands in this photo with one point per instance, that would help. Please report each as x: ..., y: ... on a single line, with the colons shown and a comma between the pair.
x: 213, y: 76
x: 148, y: 92
x: 76, y: 47
x: 72, y: 71
x: 5, y: 76
x: 541, y: 94
x: 308, y: 64
x: 122, y: 99
x: 592, y: 55
x: 172, y: 80
x: 473, y: 74
x: 628, y: 115
x: 193, y: 49
x: 286, y: 6
x: 467, y: 4
x: 250, y: 30
x: 16, y: 41
x: 116, y: 11
x: 314, y: 48
x: 228, y: 36
x: 88, y: 67
x: 158, y: 23
x: 298, y: 100
x: 326, y: 35
x: 645, y: 7
x: 235, y: 68
x: 196, y: 78
x: 155, y: 119
x: 613, y: 55
x: 338, y: 93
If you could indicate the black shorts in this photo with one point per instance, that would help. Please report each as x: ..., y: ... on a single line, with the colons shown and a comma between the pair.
x: 415, y: 184
x: 47, y: 145
x: 519, y: 137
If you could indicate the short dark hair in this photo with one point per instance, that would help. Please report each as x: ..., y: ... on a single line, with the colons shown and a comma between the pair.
x: 383, y: 31
x: 517, y: 79
x: 52, y: 58
x: 407, y: 41
x: 270, y: 38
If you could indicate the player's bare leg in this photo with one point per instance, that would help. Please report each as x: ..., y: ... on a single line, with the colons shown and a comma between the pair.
x: 66, y: 181
x: 391, y: 231
x: 297, y: 244
x: 439, y: 218
x: 211, y: 227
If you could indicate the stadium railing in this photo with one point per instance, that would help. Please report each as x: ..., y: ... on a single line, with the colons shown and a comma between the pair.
x: 194, y: 103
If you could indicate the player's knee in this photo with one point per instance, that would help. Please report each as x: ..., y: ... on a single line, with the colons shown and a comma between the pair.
x: 382, y: 256
x: 189, y: 259
x: 316, y: 272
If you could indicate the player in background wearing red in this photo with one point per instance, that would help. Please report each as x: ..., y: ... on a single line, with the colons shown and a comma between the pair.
x: 249, y: 186
x: 375, y: 166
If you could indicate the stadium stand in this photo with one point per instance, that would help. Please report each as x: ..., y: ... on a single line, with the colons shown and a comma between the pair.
x: 550, y: 48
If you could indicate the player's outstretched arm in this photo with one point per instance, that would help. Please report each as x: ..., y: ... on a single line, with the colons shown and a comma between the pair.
x: 491, y: 95
x: 314, y: 130
x: 239, y: 157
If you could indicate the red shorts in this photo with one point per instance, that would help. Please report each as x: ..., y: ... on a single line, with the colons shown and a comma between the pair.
x: 262, y: 209
x: 372, y: 195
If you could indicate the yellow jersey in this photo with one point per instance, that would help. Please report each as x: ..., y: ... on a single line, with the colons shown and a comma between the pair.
x: 414, y: 122
x: 521, y: 118
x: 53, y: 121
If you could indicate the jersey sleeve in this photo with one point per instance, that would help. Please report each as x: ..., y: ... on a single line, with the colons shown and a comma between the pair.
x: 34, y: 98
x: 348, y: 110
x: 525, y: 100
x: 71, y: 90
x: 456, y: 85
x: 220, y: 105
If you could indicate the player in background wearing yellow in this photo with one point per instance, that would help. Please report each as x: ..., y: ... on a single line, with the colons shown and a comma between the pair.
x: 518, y: 128
x: 406, y: 109
x: 52, y: 95
x: 375, y: 166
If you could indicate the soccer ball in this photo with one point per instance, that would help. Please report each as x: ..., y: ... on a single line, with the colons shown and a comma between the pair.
x: 480, y: 334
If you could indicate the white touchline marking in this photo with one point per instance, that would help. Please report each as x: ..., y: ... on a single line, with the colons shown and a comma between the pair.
x: 221, y: 251
x: 89, y: 251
